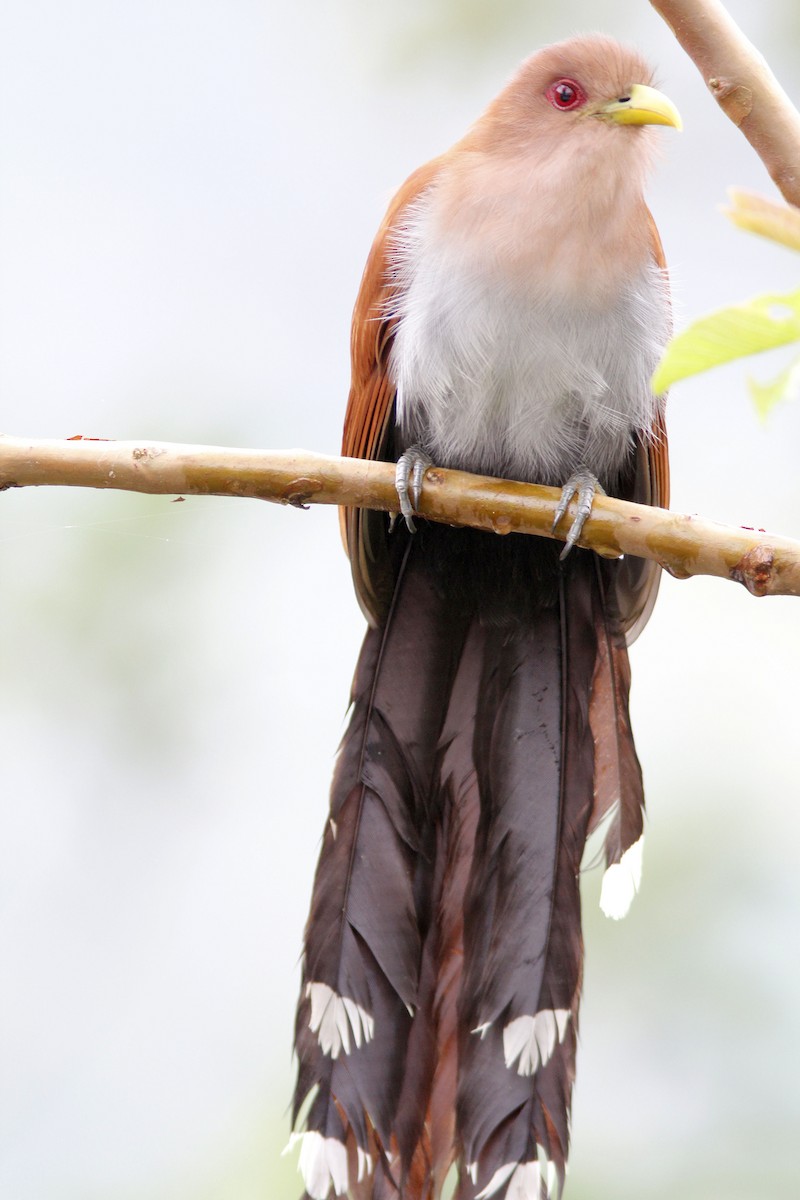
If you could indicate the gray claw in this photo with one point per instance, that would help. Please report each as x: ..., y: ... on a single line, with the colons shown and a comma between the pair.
x: 583, y: 484
x: 417, y: 475
x: 409, y: 474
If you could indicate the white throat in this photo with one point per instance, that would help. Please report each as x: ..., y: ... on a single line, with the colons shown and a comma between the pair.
x: 513, y: 355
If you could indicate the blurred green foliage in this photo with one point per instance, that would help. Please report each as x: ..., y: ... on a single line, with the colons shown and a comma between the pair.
x: 741, y: 330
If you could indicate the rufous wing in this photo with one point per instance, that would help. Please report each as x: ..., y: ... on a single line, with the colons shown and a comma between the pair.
x: 369, y: 420
x: 637, y: 579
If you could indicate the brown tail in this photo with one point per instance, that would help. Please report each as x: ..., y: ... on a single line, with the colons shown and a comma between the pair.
x: 438, y: 1015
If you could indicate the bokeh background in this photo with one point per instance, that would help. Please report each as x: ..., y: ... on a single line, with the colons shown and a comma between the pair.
x: 188, y: 191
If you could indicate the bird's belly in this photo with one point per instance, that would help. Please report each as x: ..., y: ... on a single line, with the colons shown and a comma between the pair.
x: 511, y: 378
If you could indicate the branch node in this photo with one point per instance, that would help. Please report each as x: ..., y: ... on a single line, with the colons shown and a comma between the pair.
x: 735, y: 99
x: 301, y: 490
x: 754, y: 570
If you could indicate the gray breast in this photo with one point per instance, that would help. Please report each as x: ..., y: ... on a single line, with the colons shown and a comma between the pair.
x: 506, y: 376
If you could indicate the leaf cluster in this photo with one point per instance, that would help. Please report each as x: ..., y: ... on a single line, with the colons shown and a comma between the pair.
x: 739, y: 330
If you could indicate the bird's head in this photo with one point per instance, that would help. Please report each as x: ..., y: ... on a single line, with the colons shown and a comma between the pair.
x: 586, y: 83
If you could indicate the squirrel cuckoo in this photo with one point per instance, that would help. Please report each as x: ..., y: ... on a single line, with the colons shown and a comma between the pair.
x: 511, y: 313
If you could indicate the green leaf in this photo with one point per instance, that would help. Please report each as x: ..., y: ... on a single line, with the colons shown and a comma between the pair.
x: 766, y: 396
x: 749, y: 328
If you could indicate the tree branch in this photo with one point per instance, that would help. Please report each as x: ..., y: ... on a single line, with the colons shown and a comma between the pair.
x: 742, y: 83
x: 683, y: 545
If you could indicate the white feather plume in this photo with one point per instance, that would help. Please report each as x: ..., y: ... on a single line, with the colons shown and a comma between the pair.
x: 322, y: 1163
x: 526, y: 1181
x: 334, y: 1018
x: 621, y: 882
x: 532, y: 1040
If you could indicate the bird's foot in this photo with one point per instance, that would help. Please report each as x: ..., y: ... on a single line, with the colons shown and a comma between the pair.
x: 583, y: 484
x: 411, y: 467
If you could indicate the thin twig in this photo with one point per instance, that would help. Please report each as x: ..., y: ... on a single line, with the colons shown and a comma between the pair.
x: 743, y: 84
x: 684, y: 545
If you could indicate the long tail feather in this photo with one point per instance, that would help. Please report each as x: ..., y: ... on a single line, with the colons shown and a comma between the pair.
x: 460, y: 822
x: 426, y: 1113
x: 617, y: 820
x: 371, y: 898
x: 521, y: 991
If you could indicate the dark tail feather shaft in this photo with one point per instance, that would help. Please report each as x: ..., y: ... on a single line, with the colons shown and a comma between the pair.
x: 460, y: 817
x: 426, y: 1113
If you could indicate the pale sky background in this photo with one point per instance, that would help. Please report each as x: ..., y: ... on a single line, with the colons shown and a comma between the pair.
x: 187, y: 195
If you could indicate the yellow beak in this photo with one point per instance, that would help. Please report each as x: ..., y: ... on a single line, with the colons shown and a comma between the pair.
x: 642, y: 106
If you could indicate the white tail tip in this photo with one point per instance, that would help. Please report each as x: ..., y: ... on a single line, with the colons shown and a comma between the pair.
x: 532, y: 1040
x: 335, y: 1018
x: 526, y: 1181
x: 621, y: 882
x: 322, y: 1163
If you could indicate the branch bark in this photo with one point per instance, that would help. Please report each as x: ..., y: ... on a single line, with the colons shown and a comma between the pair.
x: 743, y: 84
x: 683, y: 545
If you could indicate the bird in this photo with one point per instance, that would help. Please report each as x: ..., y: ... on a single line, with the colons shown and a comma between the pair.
x: 513, y: 307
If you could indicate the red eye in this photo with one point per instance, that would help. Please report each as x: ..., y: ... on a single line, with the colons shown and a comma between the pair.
x: 566, y: 94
